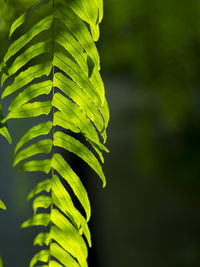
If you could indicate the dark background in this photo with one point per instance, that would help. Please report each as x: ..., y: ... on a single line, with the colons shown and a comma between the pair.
x: 149, y: 213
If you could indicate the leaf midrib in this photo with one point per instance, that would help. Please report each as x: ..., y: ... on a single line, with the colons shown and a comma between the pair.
x: 53, y: 127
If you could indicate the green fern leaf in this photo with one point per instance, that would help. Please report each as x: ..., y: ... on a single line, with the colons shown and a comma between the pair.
x: 5, y: 133
x: 56, y: 60
x: 31, y: 92
x: 2, y: 205
x: 65, y: 258
x: 42, y: 239
x: 41, y: 202
x: 42, y: 186
x: 80, y: 97
x: 17, y: 45
x: 38, y: 130
x: 63, y: 168
x: 1, y: 262
x: 36, y: 166
x: 69, y: 143
x: 26, y: 77
x: 3, y: 127
x: 38, y: 219
x: 54, y: 264
x: 41, y: 256
x: 43, y: 146
x: 30, y: 110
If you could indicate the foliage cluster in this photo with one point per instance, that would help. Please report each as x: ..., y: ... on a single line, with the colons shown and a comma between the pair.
x: 52, y: 70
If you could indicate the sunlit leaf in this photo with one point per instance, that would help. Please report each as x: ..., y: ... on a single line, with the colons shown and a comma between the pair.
x: 51, y: 69
x: 2, y: 205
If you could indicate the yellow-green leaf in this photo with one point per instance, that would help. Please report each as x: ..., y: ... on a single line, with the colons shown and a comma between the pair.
x: 77, y: 117
x: 42, y: 25
x: 76, y: 147
x: 73, y: 242
x: 6, y: 134
x: 77, y: 28
x: 2, y: 205
x: 34, y: 109
x: 62, y: 167
x: 42, y: 239
x: 42, y: 256
x: 31, y: 92
x: 54, y: 264
x: 63, y: 256
x: 75, y: 72
x: 37, y: 165
x: 41, y: 219
x: 42, y: 186
x: 1, y: 262
x: 80, y: 98
x: 41, y: 202
x: 3, y: 127
x: 38, y: 130
x: 43, y: 146
x: 26, y: 77
x: 63, y: 201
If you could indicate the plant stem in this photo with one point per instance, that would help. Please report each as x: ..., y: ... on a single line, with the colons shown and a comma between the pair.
x: 53, y: 130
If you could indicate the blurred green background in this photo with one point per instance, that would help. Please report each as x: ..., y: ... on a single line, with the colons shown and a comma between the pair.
x: 149, y: 213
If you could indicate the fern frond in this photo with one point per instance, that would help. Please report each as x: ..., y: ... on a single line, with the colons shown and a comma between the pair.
x: 53, y: 69
x: 5, y: 133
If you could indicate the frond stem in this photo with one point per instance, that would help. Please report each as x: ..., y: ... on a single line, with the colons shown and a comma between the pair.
x: 53, y: 130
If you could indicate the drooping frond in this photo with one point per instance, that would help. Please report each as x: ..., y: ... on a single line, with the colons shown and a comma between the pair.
x: 5, y: 133
x: 52, y: 66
